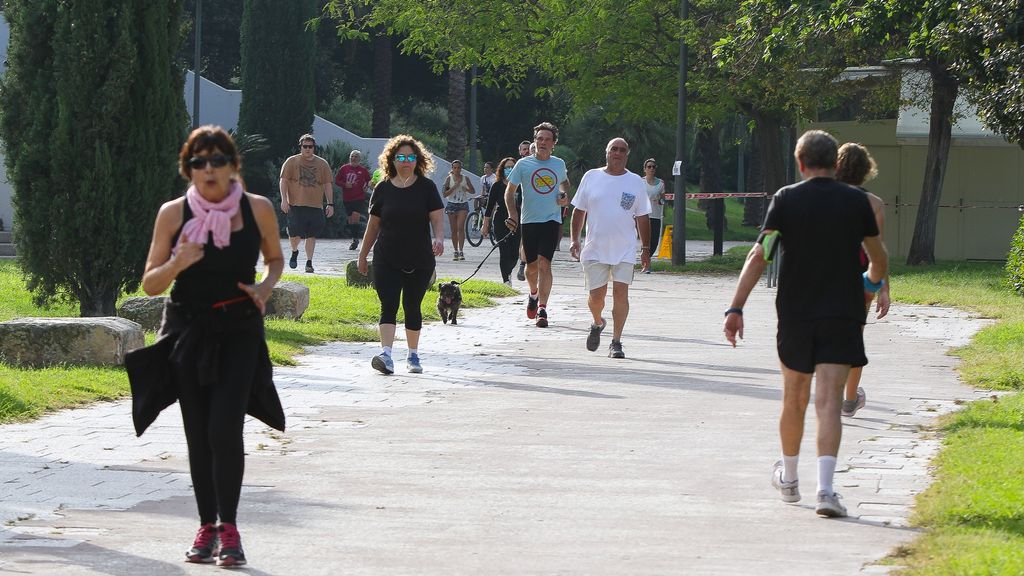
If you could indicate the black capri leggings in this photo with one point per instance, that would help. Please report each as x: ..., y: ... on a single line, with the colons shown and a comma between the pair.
x: 394, y: 283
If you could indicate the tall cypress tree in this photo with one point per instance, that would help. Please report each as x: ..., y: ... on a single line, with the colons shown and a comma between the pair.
x: 92, y: 116
x: 278, y: 88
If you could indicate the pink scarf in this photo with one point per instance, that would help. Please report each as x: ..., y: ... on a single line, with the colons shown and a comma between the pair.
x: 210, y: 217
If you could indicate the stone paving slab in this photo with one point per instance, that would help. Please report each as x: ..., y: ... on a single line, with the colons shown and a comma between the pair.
x: 516, y: 452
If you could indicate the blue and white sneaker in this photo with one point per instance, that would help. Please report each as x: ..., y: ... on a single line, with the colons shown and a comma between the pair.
x: 413, y: 364
x: 383, y: 363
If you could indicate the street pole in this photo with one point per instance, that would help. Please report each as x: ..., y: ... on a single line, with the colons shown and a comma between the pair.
x: 679, y: 187
x: 197, y: 64
x: 473, y: 167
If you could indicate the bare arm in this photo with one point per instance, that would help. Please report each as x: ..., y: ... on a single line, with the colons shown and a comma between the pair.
x: 437, y: 223
x: 510, y: 206
x: 883, y: 302
x: 563, y: 192
x: 578, y: 219
x: 643, y: 228
x: 270, y: 246
x: 369, y: 239
x: 162, y: 267
x: 753, y: 268
x: 878, y: 265
x: 283, y: 186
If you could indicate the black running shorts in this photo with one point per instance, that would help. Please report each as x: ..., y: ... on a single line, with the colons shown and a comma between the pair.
x: 305, y: 221
x: 540, y: 239
x: 803, y: 344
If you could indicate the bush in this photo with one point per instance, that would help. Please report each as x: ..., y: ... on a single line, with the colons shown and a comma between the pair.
x: 1015, y: 261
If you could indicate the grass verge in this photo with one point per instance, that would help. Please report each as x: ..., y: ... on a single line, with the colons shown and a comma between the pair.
x: 337, y: 312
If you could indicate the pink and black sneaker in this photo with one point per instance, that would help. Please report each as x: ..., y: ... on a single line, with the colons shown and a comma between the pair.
x: 202, y: 548
x: 230, y: 551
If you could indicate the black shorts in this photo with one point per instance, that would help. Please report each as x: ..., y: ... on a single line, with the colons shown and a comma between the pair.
x: 540, y: 239
x: 305, y: 221
x: 803, y: 344
x: 355, y: 206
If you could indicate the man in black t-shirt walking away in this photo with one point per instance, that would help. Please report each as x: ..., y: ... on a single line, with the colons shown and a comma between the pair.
x: 821, y: 224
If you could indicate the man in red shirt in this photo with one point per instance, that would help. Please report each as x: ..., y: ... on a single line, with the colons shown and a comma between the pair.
x: 353, y: 179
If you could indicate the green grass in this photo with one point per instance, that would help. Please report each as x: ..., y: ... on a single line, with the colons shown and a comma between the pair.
x: 697, y: 228
x: 974, y: 512
x: 728, y: 263
x: 337, y: 312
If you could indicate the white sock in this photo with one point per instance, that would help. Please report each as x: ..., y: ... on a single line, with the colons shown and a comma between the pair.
x: 789, y: 466
x: 387, y: 350
x: 826, y: 469
x: 412, y: 351
x: 534, y: 295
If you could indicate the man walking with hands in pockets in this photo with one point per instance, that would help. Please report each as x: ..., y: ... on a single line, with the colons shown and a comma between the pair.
x: 613, y: 203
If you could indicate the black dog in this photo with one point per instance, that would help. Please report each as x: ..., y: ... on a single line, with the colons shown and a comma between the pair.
x: 449, y: 298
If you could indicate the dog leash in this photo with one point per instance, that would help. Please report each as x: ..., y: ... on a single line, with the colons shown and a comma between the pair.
x: 480, y: 265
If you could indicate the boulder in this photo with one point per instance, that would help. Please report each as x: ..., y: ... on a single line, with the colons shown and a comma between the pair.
x: 289, y: 300
x: 147, y: 311
x: 36, y: 342
x: 354, y: 278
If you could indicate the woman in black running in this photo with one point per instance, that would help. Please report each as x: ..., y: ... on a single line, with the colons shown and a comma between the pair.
x: 207, y: 243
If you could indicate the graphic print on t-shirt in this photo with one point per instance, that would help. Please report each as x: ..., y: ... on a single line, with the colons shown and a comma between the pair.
x: 627, y: 201
x: 544, y: 181
x: 307, y: 176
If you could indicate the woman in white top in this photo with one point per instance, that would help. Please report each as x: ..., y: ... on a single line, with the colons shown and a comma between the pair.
x: 457, y: 190
x: 656, y: 192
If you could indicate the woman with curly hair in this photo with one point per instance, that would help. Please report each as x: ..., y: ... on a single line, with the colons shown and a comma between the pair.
x: 404, y: 208
x: 855, y: 166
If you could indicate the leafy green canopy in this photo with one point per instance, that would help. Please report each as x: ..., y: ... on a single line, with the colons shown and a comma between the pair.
x: 91, y: 115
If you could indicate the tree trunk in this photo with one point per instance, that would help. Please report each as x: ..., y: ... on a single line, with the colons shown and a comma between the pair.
x: 456, y: 114
x: 710, y: 165
x: 940, y: 135
x: 753, y: 207
x: 769, y: 157
x: 97, y: 301
x: 381, y: 85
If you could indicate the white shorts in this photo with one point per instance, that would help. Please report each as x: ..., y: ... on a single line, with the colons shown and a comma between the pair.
x: 598, y: 274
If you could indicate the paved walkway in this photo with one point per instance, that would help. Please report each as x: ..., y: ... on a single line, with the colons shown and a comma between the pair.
x: 516, y: 452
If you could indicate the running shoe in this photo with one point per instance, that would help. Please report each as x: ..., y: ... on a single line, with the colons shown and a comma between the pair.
x: 521, y: 275
x: 594, y: 339
x: 354, y: 244
x: 850, y: 407
x: 615, y: 350
x: 455, y: 256
x: 829, y: 505
x: 508, y: 283
x: 230, y: 552
x: 383, y: 364
x: 293, y: 262
x: 309, y: 266
x: 412, y: 363
x: 202, y: 547
x: 788, y: 491
x: 531, y: 307
x: 542, y: 318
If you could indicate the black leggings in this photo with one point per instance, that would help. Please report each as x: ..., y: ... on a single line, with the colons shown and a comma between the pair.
x: 508, y: 250
x: 655, y: 235
x: 213, y: 416
x: 393, y: 284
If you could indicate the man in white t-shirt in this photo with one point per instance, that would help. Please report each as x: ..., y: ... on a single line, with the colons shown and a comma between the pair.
x: 613, y: 203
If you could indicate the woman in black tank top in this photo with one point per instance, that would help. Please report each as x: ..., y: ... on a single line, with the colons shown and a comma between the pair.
x: 207, y: 243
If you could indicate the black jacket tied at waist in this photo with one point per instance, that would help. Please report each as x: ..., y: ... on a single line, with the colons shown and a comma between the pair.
x: 190, y: 340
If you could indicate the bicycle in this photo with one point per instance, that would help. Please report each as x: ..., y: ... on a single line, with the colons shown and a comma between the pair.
x: 475, y: 221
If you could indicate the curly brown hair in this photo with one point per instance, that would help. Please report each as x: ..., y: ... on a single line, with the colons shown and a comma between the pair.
x: 208, y: 138
x: 500, y: 170
x: 855, y: 165
x: 386, y: 160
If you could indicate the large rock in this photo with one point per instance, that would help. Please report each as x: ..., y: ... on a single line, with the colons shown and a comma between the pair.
x: 147, y: 311
x: 289, y: 300
x: 79, y: 341
x: 354, y: 278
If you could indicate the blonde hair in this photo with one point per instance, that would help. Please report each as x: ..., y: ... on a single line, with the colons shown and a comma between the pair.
x: 386, y: 160
x: 855, y: 165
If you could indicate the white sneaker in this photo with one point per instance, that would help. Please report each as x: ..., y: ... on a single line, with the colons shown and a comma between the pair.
x: 829, y: 505
x: 508, y: 283
x: 850, y: 407
x: 788, y: 491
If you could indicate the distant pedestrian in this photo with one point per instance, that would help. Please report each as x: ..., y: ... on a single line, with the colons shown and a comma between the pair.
x: 404, y: 208
x: 820, y: 224
x: 458, y: 190
x: 495, y: 211
x: 545, y: 188
x: 855, y: 167
x: 485, y: 183
x: 526, y: 148
x: 305, y: 189
x: 353, y: 179
x: 656, y: 194
x: 215, y: 360
x: 613, y: 203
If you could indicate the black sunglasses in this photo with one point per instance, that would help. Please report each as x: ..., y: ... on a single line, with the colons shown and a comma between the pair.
x: 199, y: 162
x: 309, y: 145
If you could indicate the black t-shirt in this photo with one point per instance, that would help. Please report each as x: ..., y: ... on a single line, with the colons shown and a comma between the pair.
x: 404, y: 241
x: 823, y: 223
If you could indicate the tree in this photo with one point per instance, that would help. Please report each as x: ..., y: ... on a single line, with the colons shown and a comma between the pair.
x: 91, y: 116
x: 381, y: 85
x: 220, y: 45
x: 278, y: 89
x: 456, y: 114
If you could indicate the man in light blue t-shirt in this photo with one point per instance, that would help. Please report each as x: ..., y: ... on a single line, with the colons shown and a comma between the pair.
x: 545, y: 189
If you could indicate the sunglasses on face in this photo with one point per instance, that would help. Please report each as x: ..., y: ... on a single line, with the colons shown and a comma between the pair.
x: 309, y: 145
x: 651, y: 166
x: 200, y: 162
x: 405, y: 157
